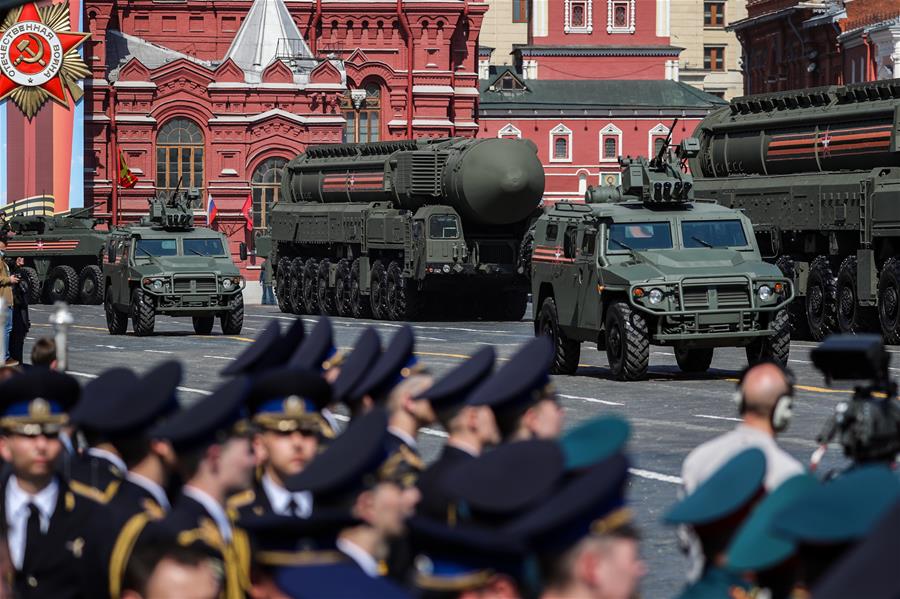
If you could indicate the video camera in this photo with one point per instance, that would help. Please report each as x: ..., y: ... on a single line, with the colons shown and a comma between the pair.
x: 868, y: 425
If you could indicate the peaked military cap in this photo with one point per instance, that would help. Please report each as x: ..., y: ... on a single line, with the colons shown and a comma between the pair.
x: 123, y: 404
x: 518, y: 384
x: 756, y: 546
x: 594, y: 441
x: 289, y: 541
x: 270, y: 350
x: 288, y: 399
x: 357, y: 364
x: 396, y: 363
x: 868, y: 570
x: 842, y: 510
x: 452, y: 390
x: 211, y: 420
x: 593, y: 502
x: 731, y: 488
x: 355, y: 461
x: 317, y: 351
x: 37, y: 401
x: 504, y: 482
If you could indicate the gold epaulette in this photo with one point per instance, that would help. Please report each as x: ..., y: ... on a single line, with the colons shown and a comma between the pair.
x: 101, y: 497
x: 239, y: 500
x: 123, y: 548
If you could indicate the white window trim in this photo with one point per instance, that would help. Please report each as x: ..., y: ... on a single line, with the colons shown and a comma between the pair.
x: 608, y: 131
x: 559, y: 131
x: 583, y: 175
x: 509, y: 129
x: 588, y: 21
x: 609, y: 18
x: 658, y: 130
x: 616, y: 174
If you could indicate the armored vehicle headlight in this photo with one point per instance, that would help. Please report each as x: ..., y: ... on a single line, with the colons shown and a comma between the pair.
x: 764, y: 292
x: 157, y: 285
x: 227, y: 283
x: 655, y: 296
x: 446, y: 269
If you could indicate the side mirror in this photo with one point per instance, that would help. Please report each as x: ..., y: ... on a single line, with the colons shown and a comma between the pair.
x: 111, y: 253
x: 242, y: 251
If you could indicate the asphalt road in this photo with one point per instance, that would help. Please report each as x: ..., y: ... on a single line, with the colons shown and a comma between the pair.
x: 670, y: 413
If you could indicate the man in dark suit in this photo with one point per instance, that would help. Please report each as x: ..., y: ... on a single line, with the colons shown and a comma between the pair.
x: 46, y: 522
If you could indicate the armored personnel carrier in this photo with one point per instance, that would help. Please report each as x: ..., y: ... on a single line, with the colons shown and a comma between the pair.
x: 644, y: 264
x: 818, y: 173
x: 63, y: 255
x: 388, y: 229
x: 166, y: 266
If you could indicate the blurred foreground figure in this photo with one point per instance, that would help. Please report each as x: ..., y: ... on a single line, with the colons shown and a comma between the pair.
x: 170, y: 572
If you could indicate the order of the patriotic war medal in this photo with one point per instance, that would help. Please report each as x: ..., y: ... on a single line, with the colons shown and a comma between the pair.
x: 39, y: 57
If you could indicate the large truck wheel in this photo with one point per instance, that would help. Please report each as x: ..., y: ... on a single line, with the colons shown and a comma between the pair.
x: 360, y: 306
x: 30, y: 276
x: 296, y: 294
x: 90, y: 285
x: 403, y: 297
x: 343, y: 284
x: 61, y: 285
x: 116, y: 322
x: 143, y: 313
x: 693, y: 360
x: 378, y: 291
x: 283, y: 286
x: 311, y: 286
x: 233, y: 321
x: 568, y: 352
x: 851, y: 317
x: 203, y: 325
x: 797, y: 307
x: 775, y: 348
x: 889, y: 301
x: 324, y: 294
x: 627, y: 343
x: 821, y: 294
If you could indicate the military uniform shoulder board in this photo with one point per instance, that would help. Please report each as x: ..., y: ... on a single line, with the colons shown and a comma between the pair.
x: 98, y: 495
x: 123, y: 548
x: 411, y: 458
x: 239, y: 500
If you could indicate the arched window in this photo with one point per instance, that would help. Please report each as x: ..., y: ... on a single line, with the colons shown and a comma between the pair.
x: 560, y: 148
x: 179, y: 155
x: 362, y: 109
x: 266, y: 187
x: 609, y: 147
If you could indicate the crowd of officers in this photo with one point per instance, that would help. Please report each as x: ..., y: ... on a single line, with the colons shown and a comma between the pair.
x: 263, y: 489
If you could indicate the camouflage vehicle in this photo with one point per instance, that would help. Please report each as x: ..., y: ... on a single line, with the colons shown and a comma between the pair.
x: 642, y: 264
x: 392, y: 229
x: 818, y: 172
x: 165, y: 265
x: 63, y: 256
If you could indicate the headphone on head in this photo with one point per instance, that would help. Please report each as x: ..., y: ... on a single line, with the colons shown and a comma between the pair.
x: 783, y: 410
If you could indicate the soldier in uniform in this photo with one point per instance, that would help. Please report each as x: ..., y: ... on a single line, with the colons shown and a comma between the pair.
x: 593, y: 441
x: 285, y: 405
x: 522, y: 396
x: 47, y: 523
x: 354, y: 369
x: 318, y: 354
x: 215, y: 458
x: 271, y: 349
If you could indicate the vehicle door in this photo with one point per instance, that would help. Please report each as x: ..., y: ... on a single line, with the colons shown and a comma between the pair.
x: 116, y: 269
x: 588, y: 281
x: 567, y: 289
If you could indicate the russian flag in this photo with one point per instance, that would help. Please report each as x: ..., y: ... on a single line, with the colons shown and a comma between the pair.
x: 211, y: 211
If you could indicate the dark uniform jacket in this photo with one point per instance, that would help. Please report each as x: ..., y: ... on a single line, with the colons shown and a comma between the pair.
x: 436, y: 498
x: 63, y: 566
x: 93, y: 476
x: 252, y: 502
x: 404, y: 463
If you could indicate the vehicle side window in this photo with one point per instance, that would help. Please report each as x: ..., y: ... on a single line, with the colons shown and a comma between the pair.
x: 443, y: 226
x: 552, y: 232
x: 569, y: 242
x: 588, y: 243
x: 122, y: 252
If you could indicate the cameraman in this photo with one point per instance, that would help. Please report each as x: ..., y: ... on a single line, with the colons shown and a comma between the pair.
x: 7, y: 281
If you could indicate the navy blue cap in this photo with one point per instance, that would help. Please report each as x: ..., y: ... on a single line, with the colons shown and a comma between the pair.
x: 350, y: 464
x: 842, y: 510
x: 504, y: 482
x: 288, y: 399
x: 270, y: 350
x: 211, y: 420
x: 343, y: 580
x: 119, y: 403
x: 519, y: 383
x: 452, y: 390
x: 730, y: 488
x: 356, y: 365
x: 868, y: 570
x: 594, y: 441
x: 396, y: 363
x: 317, y: 352
x: 593, y: 502
x: 36, y: 399
x: 288, y: 541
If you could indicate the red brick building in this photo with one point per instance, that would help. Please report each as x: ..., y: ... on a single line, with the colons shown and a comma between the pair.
x: 219, y: 97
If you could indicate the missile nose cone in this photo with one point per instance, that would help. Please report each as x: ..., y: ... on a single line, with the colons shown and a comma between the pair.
x: 514, y: 180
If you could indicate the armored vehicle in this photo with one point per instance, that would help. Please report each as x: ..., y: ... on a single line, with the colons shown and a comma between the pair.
x: 387, y: 229
x: 818, y: 173
x: 165, y: 265
x: 642, y: 264
x: 63, y: 256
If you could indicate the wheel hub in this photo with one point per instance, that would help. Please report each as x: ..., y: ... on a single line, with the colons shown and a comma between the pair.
x: 890, y: 302
x: 615, y: 341
x: 846, y: 303
x: 814, y: 300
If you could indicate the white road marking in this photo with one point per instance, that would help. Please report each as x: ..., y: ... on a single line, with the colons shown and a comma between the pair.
x: 157, y: 351
x: 110, y: 346
x: 219, y: 357
x: 649, y: 474
x: 592, y: 400
x: 718, y: 417
x: 88, y: 375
